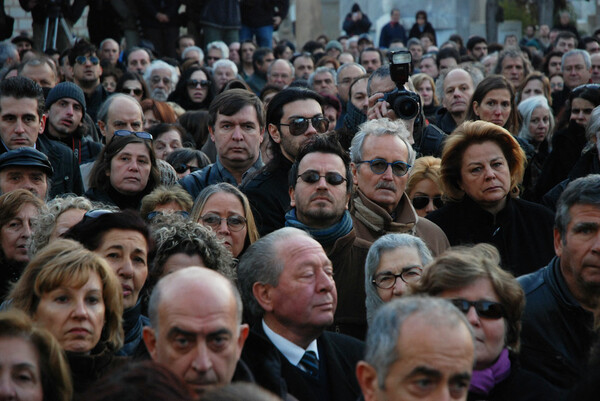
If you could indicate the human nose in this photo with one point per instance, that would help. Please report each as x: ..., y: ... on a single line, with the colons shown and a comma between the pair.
x: 7, y: 387
x: 223, y: 228
x: 202, y: 361
x: 237, y: 134
x: 387, y: 174
x: 125, y: 269
x: 472, y: 316
x: 326, y: 282
x: 430, y: 206
x: 80, y: 311
x: 489, y: 172
x: 26, y: 231
x: 399, y: 287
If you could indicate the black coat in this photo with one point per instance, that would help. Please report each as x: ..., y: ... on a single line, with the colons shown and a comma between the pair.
x: 415, y: 32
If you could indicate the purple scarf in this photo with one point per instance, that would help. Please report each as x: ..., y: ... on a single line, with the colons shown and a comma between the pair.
x: 483, y: 381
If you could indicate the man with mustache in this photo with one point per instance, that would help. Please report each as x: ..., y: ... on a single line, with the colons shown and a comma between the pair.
x: 161, y: 79
x: 381, y: 161
x: 287, y: 283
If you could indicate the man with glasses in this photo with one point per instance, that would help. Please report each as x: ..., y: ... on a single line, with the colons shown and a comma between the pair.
x: 161, y: 79
x: 294, y: 115
x: 86, y: 74
x: 320, y: 185
x: 236, y: 122
x: 381, y: 160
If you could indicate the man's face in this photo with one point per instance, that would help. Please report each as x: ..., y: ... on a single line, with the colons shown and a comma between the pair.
x: 264, y: 66
x: 303, y: 67
x: 345, y: 78
x: 20, y: 124
x: 212, y: 56
x: 565, y: 44
x: 122, y: 114
x: 247, y: 50
x: 280, y: 75
x: 320, y: 204
x: 416, y: 51
x: 23, y: 46
x: 592, y: 47
x: 370, y: 60
x: 223, y: 75
x: 395, y: 16
x: 138, y: 61
x: 359, y: 99
x: 428, y: 66
x: 24, y: 177
x: 87, y: 72
x: 183, y: 43
x: 458, y: 89
x: 447, y: 63
x: 595, y: 68
x: 480, y: 50
x: 323, y: 82
x: 237, y: 138
x: 42, y: 74
x: 110, y: 52
x: 161, y: 84
x: 554, y: 65
x: 575, y: 72
x: 234, y: 52
x: 64, y: 117
x: 384, y: 189
x: 579, y: 251
x: 513, y: 69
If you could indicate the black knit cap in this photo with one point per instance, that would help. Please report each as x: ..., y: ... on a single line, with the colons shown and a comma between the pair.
x: 355, y: 7
x: 65, y: 89
x: 28, y: 157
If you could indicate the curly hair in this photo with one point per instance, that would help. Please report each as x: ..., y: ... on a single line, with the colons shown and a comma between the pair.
x: 162, y: 195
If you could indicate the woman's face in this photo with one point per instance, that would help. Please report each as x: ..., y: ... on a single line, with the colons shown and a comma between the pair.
x: 557, y: 83
x: 485, y: 176
x: 181, y: 260
x: 581, y: 110
x: 65, y: 221
x: 539, y: 124
x: 191, y: 163
x: 150, y: 119
x: 110, y: 84
x: 197, y: 93
x: 130, y: 169
x: 20, y: 374
x: 495, y: 107
x: 166, y: 143
x: 403, y: 260
x: 426, y: 92
x: 15, y: 233
x: 534, y: 87
x: 126, y: 251
x: 75, y: 316
x: 224, y: 205
x: 133, y: 88
x: 425, y: 189
x: 489, y: 333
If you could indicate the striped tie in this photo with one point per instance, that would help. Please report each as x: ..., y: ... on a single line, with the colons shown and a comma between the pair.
x: 310, y: 363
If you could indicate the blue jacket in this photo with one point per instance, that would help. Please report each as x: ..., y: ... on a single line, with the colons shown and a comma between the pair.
x: 391, y: 32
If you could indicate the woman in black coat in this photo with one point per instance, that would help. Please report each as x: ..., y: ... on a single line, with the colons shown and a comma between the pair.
x: 421, y: 26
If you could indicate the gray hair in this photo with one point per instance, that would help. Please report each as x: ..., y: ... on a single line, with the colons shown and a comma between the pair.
x: 344, y: 66
x: 381, y: 345
x: 414, y: 41
x: 526, y: 109
x: 7, y: 50
x: 321, y: 70
x: 189, y: 49
x: 385, y: 244
x: 218, y: 44
x: 512, y: 52
x: 381, y: 72
x: 261, y: 263
x: 225, y: 63
x: 475, y: 74
x: 380, y: 127
x: 293, y: 70
x: 586, y: 58
x: 107, y: 40
x: 593, y: 126
x: 582, y: 191
x: 161, y: 65
x: 103, y: 112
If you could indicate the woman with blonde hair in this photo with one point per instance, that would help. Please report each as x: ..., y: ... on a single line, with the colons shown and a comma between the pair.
x: 423, y: 186
x: 425, y: 86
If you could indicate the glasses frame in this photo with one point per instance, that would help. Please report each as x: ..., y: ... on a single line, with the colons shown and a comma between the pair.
x: 482, y: 308
x: 437, y: 200
x: 182, y: 168
x: 139, y: 134
x: 226, y: 219
x: 81, y: 60
x: 396, y: 275
x: 328, y: 177
x: 204, y: 83
x: 314, y: 121
x: 407, y: 166
x: 136, y: 91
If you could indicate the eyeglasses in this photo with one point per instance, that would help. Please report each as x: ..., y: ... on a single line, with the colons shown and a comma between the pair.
x: 421, y: 202
x: 298, y: 126
x: 182, y: 168
x: 82, y: 59
x: 311, y: 176
x: 141, y: 134
x: 234, y: 222
x: 156, y: 80
x: 135, y: 91
x: 487, y: 309
x: 380, y: 166
x: 193, y: 83
x: 385, y: 281
x: 155, y: 213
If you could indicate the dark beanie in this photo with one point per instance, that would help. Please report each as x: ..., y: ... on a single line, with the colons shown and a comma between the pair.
x: 355, y: 8
x: 65, y: 89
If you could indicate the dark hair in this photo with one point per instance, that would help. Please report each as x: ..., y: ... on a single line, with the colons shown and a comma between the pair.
x: 546, y: 61
x: 565, y: 35
x: 81, y: 48
x: 185, y: 155
x: 183, y: 37
x: 110, y: 71
x: 259, y: 55
x: 195, y: 122
x: 475, y: 40
x: 591, y: 94
x: 370, y: 49
x: 161, y: 128
x: 232, y: 101
x: 180, y: 94
x: 447, y: 52
x: 311, y: 46
x: 23, y: 88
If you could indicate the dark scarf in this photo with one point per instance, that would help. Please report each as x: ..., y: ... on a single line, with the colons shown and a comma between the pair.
x: 325, y: 236
x: 354, y: 118
x: 133, y: 323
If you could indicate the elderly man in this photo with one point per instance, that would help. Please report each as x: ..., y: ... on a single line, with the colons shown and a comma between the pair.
x: 323, y: 81
x: 138, y: 60
x: 41, y: 70
x: 304, y: 65
x: 86, y: 74
x: 223, y: 72
x: 193, y: 53
x: 25, y: 168
x: 215, y: 51
x: 457, y: 88
x: 562, y: 297
x: 513, y: 65
x: 287, y: 283
x: 381, y: 161
x: 236, y: 122
x: 280, y: 73
x: 407, y: 359
x: 576, y: 68
x: 109, y: 51
x: 161, y: 79
x: 201, y: 345
x: 595, y: 59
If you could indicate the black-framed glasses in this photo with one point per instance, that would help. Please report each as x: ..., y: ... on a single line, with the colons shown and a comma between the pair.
x: 193, y: 83
x: 299, y: 125
x: 135, y: 91
x: 182, y: 168
x: 312, y: 176
x: 234, y: 222
x: 155, y: 213
x: 82, y: 59
x: 140, y: 134
x: 487, y: 309
x: 385, y: 281
x: 379, y: 166
x: 421, y: 201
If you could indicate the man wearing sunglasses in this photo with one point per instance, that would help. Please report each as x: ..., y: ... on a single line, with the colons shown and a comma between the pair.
x: 381, y: 161
x: 320, y: 187
x: 236, y: 124
x: 161, y: 79
x: 563, y: 296
x: 120, y: 112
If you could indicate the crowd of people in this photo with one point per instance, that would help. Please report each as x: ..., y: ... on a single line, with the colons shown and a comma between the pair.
x: 224, y: 216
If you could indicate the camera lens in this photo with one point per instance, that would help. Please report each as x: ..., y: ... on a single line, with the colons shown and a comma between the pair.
x: 406, y: 107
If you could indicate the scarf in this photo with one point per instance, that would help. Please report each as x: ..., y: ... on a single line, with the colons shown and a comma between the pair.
x: 324, y: 236
x: 354, y: 117
x: 483, y: 381
x: 380, y: 223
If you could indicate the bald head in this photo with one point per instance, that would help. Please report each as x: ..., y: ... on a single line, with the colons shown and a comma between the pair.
x: 118, y: 112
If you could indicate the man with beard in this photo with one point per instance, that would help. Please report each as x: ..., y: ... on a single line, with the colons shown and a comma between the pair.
x: 563, y: 297
x: 161, y: 79
x: 86, y: 74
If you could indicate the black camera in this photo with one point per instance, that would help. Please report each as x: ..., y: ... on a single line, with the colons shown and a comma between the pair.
x: 404, y: 103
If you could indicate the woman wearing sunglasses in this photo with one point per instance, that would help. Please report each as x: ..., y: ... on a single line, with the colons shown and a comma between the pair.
x: 132, y: 84
x: 226, y: 210
x: 195, y: 90
x: 493, y: 302
x: 482, y: 166
x: 423, y: 185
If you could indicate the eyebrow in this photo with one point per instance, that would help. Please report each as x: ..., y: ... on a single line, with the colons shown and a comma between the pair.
x: 425, y: 370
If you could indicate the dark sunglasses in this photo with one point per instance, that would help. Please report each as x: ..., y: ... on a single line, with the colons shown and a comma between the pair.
x: 193, y: 83
x: 141, y: 134
x: 135, y: 91
x: 182, y: 168
x: 298, y: 126
x: 421, y: 202
x: 487, y: 309
x: 311, y: 176
x: 213, y: 58
x: 82, y: 59
x: 234, y: 222
x: 379, y: 166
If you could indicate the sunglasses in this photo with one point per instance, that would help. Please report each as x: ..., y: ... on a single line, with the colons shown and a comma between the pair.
x: 82, y: 59
x: 380, y: 166
x: 486, y: 309
x: 182, y: 168
x: 311, y: 176
x: 234, y: 222
x: 141, y: 134
x: 298, y: 126
x: 193, y: 83
x: 135, y: 91
x: 421, y: 202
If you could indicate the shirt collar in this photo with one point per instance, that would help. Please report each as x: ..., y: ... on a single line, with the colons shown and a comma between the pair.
x: 291, y: 351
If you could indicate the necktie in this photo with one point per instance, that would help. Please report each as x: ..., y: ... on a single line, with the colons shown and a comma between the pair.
x: 310, y: 363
